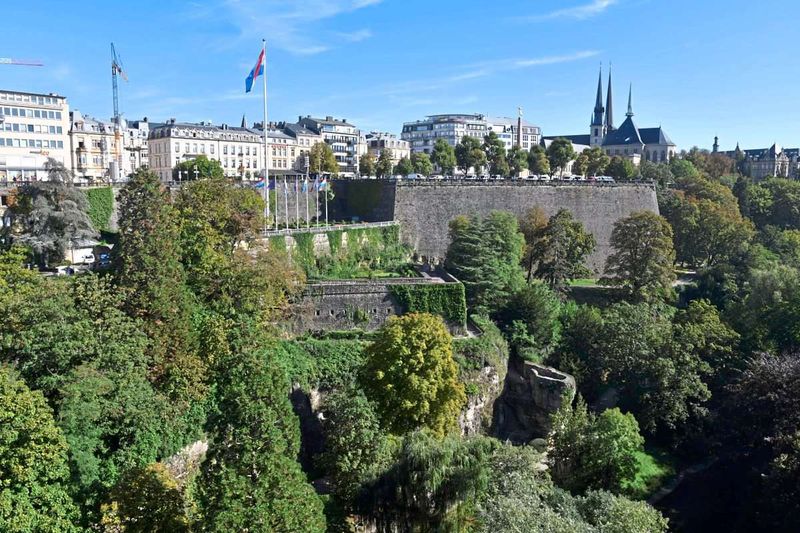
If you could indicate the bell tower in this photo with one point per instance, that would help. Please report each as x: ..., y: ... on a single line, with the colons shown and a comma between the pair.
x: 597, y: 129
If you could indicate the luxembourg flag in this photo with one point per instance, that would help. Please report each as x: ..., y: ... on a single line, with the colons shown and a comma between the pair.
x: 257, y: 71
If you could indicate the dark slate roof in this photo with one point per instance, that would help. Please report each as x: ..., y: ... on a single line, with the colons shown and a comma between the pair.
x: 574, y: 139
x: 654, y: 136
x: 627, y: 133
x: 298, y: 129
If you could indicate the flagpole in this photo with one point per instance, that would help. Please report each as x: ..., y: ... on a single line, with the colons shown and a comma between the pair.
x: 327, y: 184
x: 297, y: 200
x: 286, y: 202
x: 266, y: 147
x: 308, y: 219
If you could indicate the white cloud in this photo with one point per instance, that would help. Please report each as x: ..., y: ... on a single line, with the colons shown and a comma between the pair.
x: 291, y: 24
x: 579, y: 12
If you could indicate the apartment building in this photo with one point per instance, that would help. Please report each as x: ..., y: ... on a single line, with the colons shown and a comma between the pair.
x: 377, y: 142
x: 423, y: 134
x: 33, y: 128
x: 344, y: 139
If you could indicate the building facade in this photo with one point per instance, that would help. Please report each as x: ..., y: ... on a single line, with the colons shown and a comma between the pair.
x: 423, y: 134
x: 305, y: 139
x: 762, y: 163
x: 33, y: 128
x: 627, y: 140
x: 377, y: 142
x: 134, y: 145
x: 343, y: 138
x: 91, y: 147
x: 515, y: 132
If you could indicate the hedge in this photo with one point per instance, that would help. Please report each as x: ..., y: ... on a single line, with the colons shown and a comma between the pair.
x: 447, y: 300
x: 101, y: 205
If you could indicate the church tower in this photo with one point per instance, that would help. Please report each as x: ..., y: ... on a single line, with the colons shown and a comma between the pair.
x: 609, y: 106
x: 597, y: 130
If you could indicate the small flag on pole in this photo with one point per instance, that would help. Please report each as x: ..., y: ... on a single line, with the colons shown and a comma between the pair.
x: 305, y: 185
x: 257, y: 71
x: 315, y: 185
x: 323, y: 184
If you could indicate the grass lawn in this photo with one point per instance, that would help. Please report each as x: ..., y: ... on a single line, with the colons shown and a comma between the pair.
x: 653, y: 470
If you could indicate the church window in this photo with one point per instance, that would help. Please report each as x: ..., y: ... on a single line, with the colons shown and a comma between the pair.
x: 663, y: 155
x: 595, y: 132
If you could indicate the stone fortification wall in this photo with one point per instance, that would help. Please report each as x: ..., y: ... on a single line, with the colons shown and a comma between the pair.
x: 424, y: 209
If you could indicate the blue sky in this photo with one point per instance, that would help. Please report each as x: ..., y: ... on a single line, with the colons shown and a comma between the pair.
x: 698, y: 68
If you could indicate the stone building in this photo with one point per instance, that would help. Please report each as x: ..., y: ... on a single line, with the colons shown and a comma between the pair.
x: 760, y: 163
x: 344, y: 139
x: 627, y: 140
x: 33, y: 128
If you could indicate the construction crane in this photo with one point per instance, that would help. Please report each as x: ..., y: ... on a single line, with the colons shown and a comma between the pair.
x: 116, y: 70
x: 20, y: 62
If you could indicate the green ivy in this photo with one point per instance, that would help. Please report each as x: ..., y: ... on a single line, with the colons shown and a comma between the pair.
x: 447, y: 300
x: 101, y: 206
x: 335, y: 241
x: 278, y: 242
x: 321, y: 363
x: 490, y: 348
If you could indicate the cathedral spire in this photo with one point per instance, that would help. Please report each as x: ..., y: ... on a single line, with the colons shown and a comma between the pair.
x: 244, y: 121
x: 597, y: 120
x: 630, y: 100
x: 609, y: 104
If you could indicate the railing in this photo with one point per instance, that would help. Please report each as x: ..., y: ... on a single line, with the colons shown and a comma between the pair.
x: 330, y: 227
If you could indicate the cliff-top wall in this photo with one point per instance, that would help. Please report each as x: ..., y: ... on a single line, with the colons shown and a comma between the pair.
x: 424, y: 209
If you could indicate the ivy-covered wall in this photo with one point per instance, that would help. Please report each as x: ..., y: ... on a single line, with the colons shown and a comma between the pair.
x: 101, y: 206
x: 444, y: 299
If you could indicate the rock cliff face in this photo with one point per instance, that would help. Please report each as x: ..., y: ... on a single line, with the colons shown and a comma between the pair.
x: 476, y: 417
x: 532, y: 393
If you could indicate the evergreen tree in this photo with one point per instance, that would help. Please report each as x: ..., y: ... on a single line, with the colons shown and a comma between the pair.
x: 564, y: 248
x: 147, y: 267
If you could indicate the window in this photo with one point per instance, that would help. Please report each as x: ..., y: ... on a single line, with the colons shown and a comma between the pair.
x: 186, y: 147
x: 211, y: 149
x: 225, y: 149
x: 177, y: 147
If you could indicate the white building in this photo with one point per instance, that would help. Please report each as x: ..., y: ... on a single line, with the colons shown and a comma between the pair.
x: 91, y: 147
x: 423, y: 134
x: 344, y: 139
x: 33, y: 128
x: 134, y: 145
x: 528, y: 136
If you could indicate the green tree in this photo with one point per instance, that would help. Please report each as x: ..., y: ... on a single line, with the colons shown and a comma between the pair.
x: 532, y: 226
x: 148, y: 269
x: 621, y: 168
x: 366, y: 164
x: 411, y: 376
x: 422, y: 163
x: 404, y: 167
x: 614, y: 514
x: 33, y: 465
x: 658, y: 173
x: 495, y: 150
x: 444, y: 157
x: 470, y: 154
x: 356, y: 449
x: 596, y: 161
x: 250, y: 479
x: 146, y: 499
x: 531, y: 319
x: 581, y: 164
x: 517, y: 160
x: 564, y: 248
x: 643, y: 257
x: 538, y: 163
x: 49, y: 217
x: 591, y: 451
x: 201, y: 167
x: 559, y: 153
x: 682, y: 168
x: 384, y: 166
x: 322, y: 159
x: 485, y: 255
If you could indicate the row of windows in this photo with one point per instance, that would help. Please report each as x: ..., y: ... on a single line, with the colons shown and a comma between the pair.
x: 32, y: 98
x: 231, y: 163
x: 31, y: 128
x: 30, y: 143
x: 30, y: 113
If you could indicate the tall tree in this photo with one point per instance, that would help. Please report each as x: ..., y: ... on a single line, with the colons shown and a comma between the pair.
x: 251, y: 480
x: 621, y: 168
x: 485, y: 255
x: 50, y: 217
x: 201, y: 167
x: 538, y: 163
x: 470, y: 154
x: 384, y: 166
x: 412, y: 377
x: 322, y: 159
x: 532, y: 226
x: 366, y: 164
x: 517, y: 160
x: 147, y: 267
x: 422, y: 163
x: 404, y: 167
x: 597, y: 161
x: 33, y: 463
x: 495, y: 150
x: 444, y: 157
x: 559, y: 153
x: 564, y: 249
x: 643, y: 257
